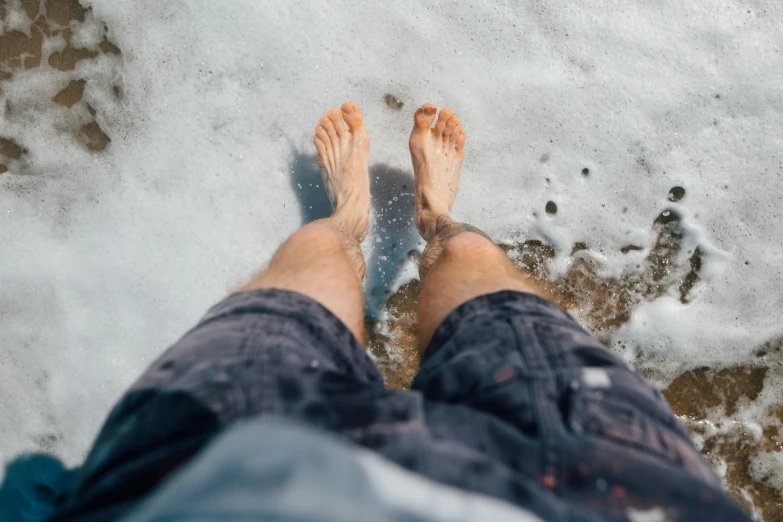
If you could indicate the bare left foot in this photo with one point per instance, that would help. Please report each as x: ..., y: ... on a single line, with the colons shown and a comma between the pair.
x: 344, y: 158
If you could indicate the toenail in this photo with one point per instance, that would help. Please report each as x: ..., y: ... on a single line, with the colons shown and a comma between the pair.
x: 348, y: 109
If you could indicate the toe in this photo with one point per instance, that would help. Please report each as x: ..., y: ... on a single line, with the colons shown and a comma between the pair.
x: 353, y: 116
x: 328, y: 126
x: 455, y: 134
x: 425, y: 116
x: 321, y: 148
x: 337, y: 120
x: 451, y: 126
x: 461, y: 141
x: 320, y: 132
x: 323, y: 136
x: 443, y: 117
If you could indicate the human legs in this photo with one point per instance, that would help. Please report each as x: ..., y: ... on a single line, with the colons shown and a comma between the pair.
x: 285, y: 345
x: 460, y: 262
x: 323, y: 260
x: 572, y: 417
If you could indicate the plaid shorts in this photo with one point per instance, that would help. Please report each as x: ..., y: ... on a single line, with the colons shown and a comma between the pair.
x: 513, y: 400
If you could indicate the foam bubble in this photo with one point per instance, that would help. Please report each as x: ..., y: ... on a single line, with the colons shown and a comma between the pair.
x: 767, y: 468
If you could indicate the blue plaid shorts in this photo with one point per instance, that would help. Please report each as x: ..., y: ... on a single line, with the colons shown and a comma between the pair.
x: 513, y: 400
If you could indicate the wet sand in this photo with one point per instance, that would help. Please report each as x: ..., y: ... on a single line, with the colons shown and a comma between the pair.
x: 51, y: 23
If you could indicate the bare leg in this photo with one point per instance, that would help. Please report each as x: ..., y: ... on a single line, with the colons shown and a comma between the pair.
x: 460, y: 262
x: 323, y: 259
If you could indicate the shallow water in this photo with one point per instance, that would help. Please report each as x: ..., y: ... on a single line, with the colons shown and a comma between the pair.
x: 153, y: 155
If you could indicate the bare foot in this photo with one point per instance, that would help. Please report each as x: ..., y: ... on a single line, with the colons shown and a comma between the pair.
x: 437, y: 154
x: 343, y: 157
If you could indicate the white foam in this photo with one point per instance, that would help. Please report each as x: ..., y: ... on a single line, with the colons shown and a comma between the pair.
x: 765, y: 468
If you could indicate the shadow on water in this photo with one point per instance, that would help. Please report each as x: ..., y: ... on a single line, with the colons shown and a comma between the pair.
x: 308, y: 187
x: 31, y: 486
x: 392, y: 234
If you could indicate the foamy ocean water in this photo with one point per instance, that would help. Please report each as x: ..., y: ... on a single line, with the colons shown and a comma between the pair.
x: 154, y: 154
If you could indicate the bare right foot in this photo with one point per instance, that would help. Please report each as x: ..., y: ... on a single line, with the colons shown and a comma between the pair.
x: 437, y: 154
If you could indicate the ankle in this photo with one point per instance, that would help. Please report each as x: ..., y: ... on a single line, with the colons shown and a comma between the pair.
x: 352, y: 222
x: 429, y: 209
x: 427, y: 224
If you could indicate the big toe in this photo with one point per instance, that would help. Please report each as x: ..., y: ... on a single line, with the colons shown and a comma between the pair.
x: 353, y: 116
x: 425, y: 116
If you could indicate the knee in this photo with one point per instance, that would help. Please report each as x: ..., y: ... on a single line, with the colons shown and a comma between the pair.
x: 471, y: 246
x: 325, y: 244
x: 316, y: 237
